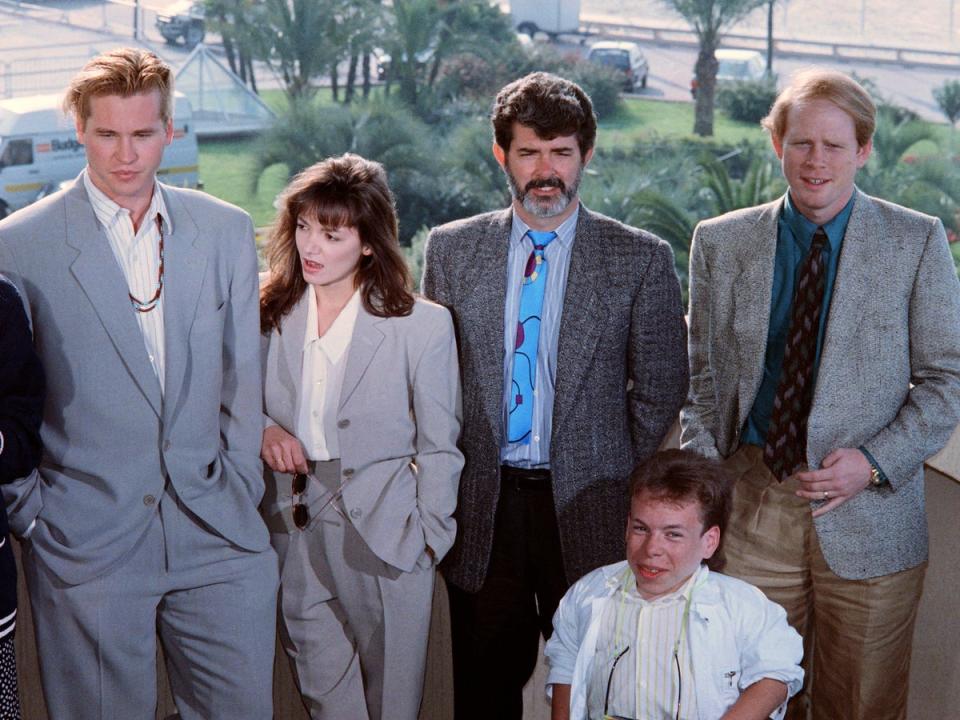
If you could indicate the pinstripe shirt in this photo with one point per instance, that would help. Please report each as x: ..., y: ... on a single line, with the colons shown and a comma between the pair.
x: 138, y: 254
x: 557, y: 254
x: 645, y: 682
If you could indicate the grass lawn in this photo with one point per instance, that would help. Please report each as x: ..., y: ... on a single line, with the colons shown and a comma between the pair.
x: 640, y: 119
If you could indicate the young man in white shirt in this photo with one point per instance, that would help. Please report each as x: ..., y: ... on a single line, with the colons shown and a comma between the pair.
x: 660, y: 635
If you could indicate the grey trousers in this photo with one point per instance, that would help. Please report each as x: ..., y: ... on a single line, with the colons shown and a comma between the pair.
x: 354, y: 627
x: 213, y: 604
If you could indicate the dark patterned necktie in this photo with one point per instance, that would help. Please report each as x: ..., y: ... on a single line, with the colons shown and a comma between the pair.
x: 786, y: 447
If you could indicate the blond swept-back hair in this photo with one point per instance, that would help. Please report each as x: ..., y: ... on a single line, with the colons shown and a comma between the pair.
x: 124, y: 72
x: 832, y: 86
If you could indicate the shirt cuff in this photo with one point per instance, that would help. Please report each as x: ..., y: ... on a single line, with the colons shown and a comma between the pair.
x: 29, y: 531
x: 873, y: 462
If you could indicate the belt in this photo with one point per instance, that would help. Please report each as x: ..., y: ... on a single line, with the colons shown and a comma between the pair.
x: 525, y: 478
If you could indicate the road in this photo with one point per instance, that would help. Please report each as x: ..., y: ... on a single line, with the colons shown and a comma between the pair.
x: 39, y: 41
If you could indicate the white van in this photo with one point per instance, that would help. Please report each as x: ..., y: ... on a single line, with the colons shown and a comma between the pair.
x: 39, y: 149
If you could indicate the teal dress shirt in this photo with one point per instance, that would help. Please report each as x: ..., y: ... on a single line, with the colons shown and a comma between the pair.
x: 794, y: 235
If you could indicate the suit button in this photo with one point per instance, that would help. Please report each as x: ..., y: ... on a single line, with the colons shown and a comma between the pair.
x: 356, y: 513
x: 348, y: 472
x: 343, y: 424
x: 149, y: 500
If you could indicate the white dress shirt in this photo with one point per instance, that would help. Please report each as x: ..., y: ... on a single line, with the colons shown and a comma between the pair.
x: 324, y: 362
x: 138, y: 255
x: 647, y: 682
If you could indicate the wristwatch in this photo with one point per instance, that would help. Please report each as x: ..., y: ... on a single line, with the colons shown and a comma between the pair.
x: 877, y: 478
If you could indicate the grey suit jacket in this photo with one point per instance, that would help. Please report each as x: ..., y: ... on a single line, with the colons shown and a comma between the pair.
x: 889, y: 376
x: 111, y: 440
x: 397, y: 425
x: 621, y: 378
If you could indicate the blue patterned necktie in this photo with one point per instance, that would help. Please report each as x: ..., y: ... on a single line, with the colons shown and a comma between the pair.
x: 524, y: 374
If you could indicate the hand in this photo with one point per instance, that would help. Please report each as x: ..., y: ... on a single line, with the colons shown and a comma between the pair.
x: 282, y: 452
x: 843, y: 473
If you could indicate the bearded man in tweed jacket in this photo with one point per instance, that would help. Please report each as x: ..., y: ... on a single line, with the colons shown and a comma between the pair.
x: 839, y: 536
x: 536, y: 513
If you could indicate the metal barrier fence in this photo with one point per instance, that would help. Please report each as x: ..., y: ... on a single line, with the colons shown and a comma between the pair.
x: 672, y: 35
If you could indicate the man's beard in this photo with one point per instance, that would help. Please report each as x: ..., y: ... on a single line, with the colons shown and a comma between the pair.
x: 544, y: 207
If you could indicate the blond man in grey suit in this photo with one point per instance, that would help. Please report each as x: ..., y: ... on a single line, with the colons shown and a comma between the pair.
x: 143, y: 517
x: 837, y: 534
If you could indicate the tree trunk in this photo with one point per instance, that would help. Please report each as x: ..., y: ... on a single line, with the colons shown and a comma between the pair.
x: 248, y: 62
x: 228, y: 49
x: 351, y: 79
x: 706, y: 73
x: 365, y: 70
x: 335, y: 82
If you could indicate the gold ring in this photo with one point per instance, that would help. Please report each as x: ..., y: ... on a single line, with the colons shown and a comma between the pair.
x: 826, y: 494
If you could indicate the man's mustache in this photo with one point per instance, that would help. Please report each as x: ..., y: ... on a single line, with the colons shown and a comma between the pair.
x: 545, y: 183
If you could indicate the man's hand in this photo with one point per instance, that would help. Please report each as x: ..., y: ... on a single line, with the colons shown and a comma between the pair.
x: 282, y: 451
x: 758, y: 701
x: 843, y: 473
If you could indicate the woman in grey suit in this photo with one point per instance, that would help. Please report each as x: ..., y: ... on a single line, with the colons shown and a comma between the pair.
x: 362, y: 415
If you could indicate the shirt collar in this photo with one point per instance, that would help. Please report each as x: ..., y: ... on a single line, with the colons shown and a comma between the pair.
x: 565, y: 231
x: 803, y: 229
x: 680, y: 595
x: 107, y: 211
x: 336, y: 339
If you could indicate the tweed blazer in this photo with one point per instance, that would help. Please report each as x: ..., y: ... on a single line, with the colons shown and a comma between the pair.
x: 889, y: 375
x: 398, y: 419
x: 112, y: 437
x: 621, y: 377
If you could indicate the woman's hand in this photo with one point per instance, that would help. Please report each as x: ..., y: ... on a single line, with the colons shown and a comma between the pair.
x: 282, y: 452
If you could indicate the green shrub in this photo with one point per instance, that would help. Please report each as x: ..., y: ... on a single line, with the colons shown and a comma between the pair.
x: 747, y: 100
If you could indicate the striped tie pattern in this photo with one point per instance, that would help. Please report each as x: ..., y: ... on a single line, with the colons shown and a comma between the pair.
x: 786, y: 445
x: 524, y: 373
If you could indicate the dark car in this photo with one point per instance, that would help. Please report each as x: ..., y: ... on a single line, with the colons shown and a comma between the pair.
x: 627, y: 57
x: 182, y: 22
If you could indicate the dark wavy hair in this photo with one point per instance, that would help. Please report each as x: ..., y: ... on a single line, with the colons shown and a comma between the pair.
x: 681, y: 476
x: 551, y: 106
x: 345, y: 191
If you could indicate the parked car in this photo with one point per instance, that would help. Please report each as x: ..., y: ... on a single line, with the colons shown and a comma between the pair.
x: 734, y: 65
x: 183, y: 21
x: 627, y: 57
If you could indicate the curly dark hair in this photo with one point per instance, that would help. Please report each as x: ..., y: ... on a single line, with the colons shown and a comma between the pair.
x: 681, y: 476
x: 344, y: 191
x: 551, y: 106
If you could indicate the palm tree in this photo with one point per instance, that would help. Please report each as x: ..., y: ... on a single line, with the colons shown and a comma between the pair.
x: 709, y: 19
x: 948, y: 99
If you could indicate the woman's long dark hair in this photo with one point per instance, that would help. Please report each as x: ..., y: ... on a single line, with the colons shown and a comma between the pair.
x: 345, y: 191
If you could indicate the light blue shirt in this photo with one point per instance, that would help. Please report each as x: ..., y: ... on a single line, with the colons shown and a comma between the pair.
x: 536, y: 454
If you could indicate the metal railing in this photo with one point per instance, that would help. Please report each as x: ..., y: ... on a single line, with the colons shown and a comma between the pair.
x: 833, y: 50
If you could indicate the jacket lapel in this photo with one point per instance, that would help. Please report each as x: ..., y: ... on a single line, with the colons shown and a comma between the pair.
x: 851, y: 291
x: 751, y: 303
x: 99, y: 275
x: 584, y: 313
x: 366, y: 339
x: 291, y: 341
x: 185, y: 262
x: 482, y: 331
